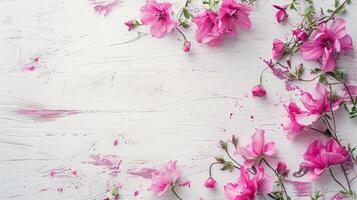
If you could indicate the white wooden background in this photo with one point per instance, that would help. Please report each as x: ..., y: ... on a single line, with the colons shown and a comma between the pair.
x: 96, y: 82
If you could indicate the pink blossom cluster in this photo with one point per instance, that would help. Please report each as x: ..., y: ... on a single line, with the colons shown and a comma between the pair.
x: 212, y: 26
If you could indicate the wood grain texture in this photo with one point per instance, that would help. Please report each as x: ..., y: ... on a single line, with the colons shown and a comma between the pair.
x: 95, y: 83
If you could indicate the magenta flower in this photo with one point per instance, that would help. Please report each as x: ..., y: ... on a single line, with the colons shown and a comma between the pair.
x: 258, y: 148
x: 281, y: 15
x: 259, y: 91
x: 207, y: 28
x: 159, y: 17
x: 282, y: 169
x: 278, y: 49
x: 210, y: 183
x: 165, y: 178
x: 186, y: 46
x: 326, y: 43
x: 315, y: 106
x: 234, y: 15
x: 300, y: 34
x: 319, y: 157
x: 247, y: 188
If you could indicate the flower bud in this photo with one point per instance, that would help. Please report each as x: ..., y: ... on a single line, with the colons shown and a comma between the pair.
x: 210, y: 183
x: 259, y: 91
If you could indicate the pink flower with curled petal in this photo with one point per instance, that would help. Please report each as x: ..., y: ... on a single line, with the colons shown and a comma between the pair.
x: 234, y: 15
x: 292, y: 126
x: 207, y: 28
x: 165, y: 178
x: 259, y: 91
x: 258, y: 148
x: 247, y: 188
x: 159, y: 17
x: 315, y: 105
x: 278, y: 49
x: 281, y: 15
x: 319, y: 157
x: 325, y: 44
x: 210, y: 183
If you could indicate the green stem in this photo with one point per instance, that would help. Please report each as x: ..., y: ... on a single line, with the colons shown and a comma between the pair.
x: 173, y: 191
x: 277, y: 175
x: 334, y: 178
x: 345, y: 174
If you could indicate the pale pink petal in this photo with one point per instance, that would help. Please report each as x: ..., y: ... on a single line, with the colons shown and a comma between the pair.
x: 269, y: 149
x: 307, y: 119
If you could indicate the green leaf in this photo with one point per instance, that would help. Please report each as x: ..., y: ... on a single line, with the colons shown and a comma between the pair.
x: 323, y: 79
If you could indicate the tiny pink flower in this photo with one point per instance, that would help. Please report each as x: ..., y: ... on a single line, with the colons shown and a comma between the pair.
x: 207, y: 28
x: 186, y: 46
x: 258, y: 148
x: 234, y: 15
x: 278, y: 49
x: 281, y: 15
x: 159, y: 17
x: 210, y: 183
x: 164, y: 178
x: 319, y: 157
x: 326, y: 42
x: 247, y: 188
x: 259, y: 91
x: 131, y: 24
x: 300, y: 34
x: 282, y: 169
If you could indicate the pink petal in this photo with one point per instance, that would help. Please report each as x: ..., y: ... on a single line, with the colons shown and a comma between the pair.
x: 346, y: 42
x: 258, y: 142
x: 307, y: 119
x: 269, y: 149
x: 311, y: 51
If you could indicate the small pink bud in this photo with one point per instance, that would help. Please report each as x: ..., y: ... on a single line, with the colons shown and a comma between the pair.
x: 131, y: 24
x: 259, y: 91
x: 210, y: 183
x: 300, y: 34
x: 282, y: 169
x: 186, y: 46
x: 281, y: 15
x: 278, y: 49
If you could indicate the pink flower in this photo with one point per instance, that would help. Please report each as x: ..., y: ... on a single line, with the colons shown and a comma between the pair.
x: 258, y: 148
x: 281, y: 15
x: 159, y: 17
x: 247, y: 188
x: 210, y: 183
x: 282, y: 169
x: 278, y: 49
x: 233, y: 15
x: 300, y: 34
x: 318, y: 157
x: 326, y: 43
x: 131, y: 24
x: 292, y: 126
x: 164, y: 178
x: 207, y: 28
x: 186, y: 46
x: 259, y: 91
x: 315, y: 106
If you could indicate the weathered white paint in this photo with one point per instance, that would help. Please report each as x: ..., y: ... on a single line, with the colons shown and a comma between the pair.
x: 159, y: 102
